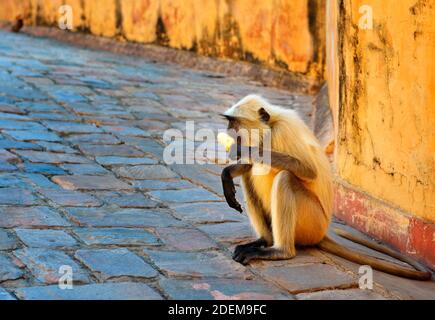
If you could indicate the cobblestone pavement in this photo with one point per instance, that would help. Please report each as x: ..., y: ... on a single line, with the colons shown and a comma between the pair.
x: 83, y: 185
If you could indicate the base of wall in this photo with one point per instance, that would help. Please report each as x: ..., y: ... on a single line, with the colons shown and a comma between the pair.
x: 268, y: 77
x: 409, y: 235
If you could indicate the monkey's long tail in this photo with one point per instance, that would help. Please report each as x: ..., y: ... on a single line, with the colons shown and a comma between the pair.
x: 331, y: 246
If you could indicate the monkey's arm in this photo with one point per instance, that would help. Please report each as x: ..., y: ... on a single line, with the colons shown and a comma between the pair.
x: 228, y: 174
x: 280, y: 161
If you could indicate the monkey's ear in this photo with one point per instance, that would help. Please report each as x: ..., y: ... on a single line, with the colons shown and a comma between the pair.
x: 264, y: 116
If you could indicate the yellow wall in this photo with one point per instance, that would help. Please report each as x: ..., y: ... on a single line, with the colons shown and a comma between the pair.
x: 386, y: 132
x: 282, y: 34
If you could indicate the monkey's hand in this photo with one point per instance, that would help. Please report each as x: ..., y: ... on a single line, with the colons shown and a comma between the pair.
x: 230, y: 191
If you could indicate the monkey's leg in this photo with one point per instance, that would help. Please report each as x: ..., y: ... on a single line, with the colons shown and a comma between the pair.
x: 243, y: 247
x: 283, y: 211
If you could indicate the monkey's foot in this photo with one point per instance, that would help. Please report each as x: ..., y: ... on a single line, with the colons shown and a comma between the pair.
x: 255, y: 244
x: 252, y: 253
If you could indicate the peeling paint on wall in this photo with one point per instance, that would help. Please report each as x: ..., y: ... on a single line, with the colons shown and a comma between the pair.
x: 386, y: 132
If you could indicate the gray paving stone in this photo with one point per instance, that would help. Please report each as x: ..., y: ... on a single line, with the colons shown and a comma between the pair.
x: 162, y: 184
x: 125, y: 131
x: 100, y: 291
x: 113, y: 217
x: 207, y: 212
x: 145, y: 172
x: 45, y: 265
x: 90, y: 182
x: 32, y: 135
x: 45, y: 238
x: 196, y: 265
x: 7, y: 240
x: 184, y: 195
x: 30, y: 216
x: 56, y: 147
x: 94, y: 138
x: 17, y: 196
x: 115, y: 263
x: 221, y: 289
x: 7, y: 156
x: 21, y: 125
x: 116, y: 236
x: 120, y: 150
x: 310, y: 277
x: 5, y: 166
x: 50, y: 157
x: 185, y: 239
x: 111, y: 161
x: 71, y: 198
x: 12, y: 144
x: 85, y: 169
x: 4, y: 295
x: 43, y: 168
x: 127, y: 200
x: 8, y: 269
x: 351, y: 294
x: 71, y: 127
x: 230, y: 232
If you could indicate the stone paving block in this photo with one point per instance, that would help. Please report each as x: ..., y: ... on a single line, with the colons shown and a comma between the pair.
x: 207, y: 212
x: 116, y: 236
x: 45, y: 238
x: 120, y: 150
x: 7, y: 240
x: 113, y: 161
x: 11, y: 109
x: 125, y: 131
x: 185, y: 239
x: 50, y: 157
x: 12, y: 144
x: 71, y: 198
x: 6, y: 166
x: 127, y: 200
x: 145, y: 172
x: 56, y: 147
x: 115, y: 263
x: 196, y: 265
x: 184, y: 195
x: 7, y: 156
x: 100, y: 291
x: 71, y: 127
x: 31, y: 135
x: 21, y: 125
x: 43, y: 168
x: 8, y: 269
x: 17, y: 196
x: 30, y: 216
x: 149, y: 146
x: 28, y: 181
x: 199, y: 176
x: 95, y: 138
x: 12, y: 116
x: 40, y: 107
x: 310, y: 277
x: 351, y: 294
x: 4, y: 295
x: 221, y: 289
x: 88, y: 182
x: 85, y: 169
x: 162, y: 184
x: 53, y: 116
x: 231, y: 232
x: 113, y: 217
x: 45, y: 264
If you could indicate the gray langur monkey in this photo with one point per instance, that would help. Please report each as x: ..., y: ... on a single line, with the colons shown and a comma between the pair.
x: 292, y: 204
